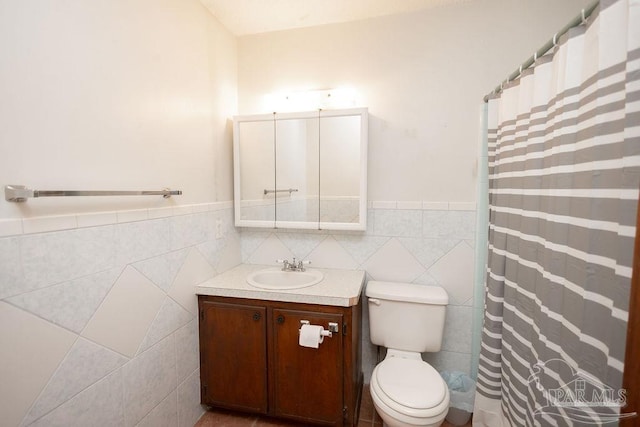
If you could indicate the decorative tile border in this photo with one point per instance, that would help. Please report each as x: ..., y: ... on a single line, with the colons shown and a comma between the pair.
x: 421, y: 205
x: 42, y: 224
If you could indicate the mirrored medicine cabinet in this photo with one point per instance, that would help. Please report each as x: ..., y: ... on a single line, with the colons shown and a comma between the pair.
x: 305, y: 170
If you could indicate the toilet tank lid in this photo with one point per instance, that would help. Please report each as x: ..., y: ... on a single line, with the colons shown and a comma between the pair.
x: 409, y: 292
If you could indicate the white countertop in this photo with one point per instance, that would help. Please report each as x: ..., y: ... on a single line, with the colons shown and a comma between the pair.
x: 338, y: 287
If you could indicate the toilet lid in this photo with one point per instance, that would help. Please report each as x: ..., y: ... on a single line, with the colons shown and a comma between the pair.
x: 411, y: 383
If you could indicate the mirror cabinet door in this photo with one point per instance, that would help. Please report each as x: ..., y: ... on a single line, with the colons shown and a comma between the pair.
x: 301, y: 170
x: 255, y: 168
x: 340, y: 169
x: 296, y: 172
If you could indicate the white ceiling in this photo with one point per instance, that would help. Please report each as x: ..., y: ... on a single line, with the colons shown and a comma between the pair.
x: 243, y: 17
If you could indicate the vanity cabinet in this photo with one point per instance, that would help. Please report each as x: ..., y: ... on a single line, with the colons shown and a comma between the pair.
x: 232, y: 344
x: 250, y: 360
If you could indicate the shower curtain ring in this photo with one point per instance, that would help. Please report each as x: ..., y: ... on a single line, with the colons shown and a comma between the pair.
x: 555, y: 36
x: 520, y: 70
x: 584, y: 18
x: 535, y: 56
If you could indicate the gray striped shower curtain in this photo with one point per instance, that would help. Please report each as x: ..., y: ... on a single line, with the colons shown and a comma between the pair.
x: 564, y: 176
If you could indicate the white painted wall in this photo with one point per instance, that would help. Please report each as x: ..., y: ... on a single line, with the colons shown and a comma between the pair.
x: 98, y: 323
x: 423, y: 76
x: 115, y: 94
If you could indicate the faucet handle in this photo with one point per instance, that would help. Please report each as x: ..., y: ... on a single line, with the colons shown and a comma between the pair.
x: 285, y: 263
x: 301, y: 264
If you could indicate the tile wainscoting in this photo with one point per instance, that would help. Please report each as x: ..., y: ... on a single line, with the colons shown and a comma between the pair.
x: 98, y: 324
x: 416, y: 244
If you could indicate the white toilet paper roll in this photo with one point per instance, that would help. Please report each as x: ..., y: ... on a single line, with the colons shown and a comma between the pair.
x: 311, y: 336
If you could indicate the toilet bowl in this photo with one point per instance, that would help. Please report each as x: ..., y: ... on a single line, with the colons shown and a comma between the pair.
x: 407, y: 319
x: 408, y: 392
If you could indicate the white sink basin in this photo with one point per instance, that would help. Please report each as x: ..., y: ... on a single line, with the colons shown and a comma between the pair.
x: 275, y: 278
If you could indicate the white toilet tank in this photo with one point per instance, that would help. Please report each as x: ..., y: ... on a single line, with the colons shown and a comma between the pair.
x: 406, y: 316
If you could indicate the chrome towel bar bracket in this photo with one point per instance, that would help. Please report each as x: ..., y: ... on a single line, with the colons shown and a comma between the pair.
x: 20, y: 193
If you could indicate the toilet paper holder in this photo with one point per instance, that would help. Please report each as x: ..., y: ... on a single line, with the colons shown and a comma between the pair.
x: 331, y: 328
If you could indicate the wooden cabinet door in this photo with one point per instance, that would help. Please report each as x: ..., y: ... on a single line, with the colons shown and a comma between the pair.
x: 233, y: 356
x: 306, y: 383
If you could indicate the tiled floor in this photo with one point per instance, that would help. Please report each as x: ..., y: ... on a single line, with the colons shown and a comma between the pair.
x: 223, y: 418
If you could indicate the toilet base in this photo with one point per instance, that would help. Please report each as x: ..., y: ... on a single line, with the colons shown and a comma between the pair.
x: 389, y: 420
x: 411, y: 425
x: 392, y: 422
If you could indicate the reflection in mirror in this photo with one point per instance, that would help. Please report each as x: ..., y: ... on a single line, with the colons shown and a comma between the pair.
x: 303, y: 170
x: 297, y: 170
x: 340, y: 169
x: 256, y: 155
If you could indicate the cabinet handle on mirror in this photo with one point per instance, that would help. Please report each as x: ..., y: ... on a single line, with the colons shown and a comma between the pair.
x: 280, y: 319
x: 256, y: 316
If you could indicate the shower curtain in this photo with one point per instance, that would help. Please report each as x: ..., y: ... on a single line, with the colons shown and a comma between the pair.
x: 564, y: 174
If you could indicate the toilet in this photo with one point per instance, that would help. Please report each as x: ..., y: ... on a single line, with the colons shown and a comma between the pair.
x: 407, y: 319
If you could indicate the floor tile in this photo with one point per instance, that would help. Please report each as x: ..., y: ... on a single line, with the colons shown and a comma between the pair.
x: 224, y: 418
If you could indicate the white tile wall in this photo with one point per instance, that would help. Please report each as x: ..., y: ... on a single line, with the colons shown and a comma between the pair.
x: 30, y: 351
x: 361, y: 247
x: 426, y: 243
x: 454, y: 271
x: 49, y: 223
x: 153, y: 238
x: 162, y: 270
x: 404, y: 223
x: 169, y: 319
x: 69, y: 304
x: 229, y: 256
x: 269, y: 250
x: 329, y: 254
x: 163, y: 415
x: 99, y: 405
x: 97, y: 219
x: 394, y: 263
x: 195, y: 269
x: 189, y: 411
x: 187, y: 340
x: 10, y: 227
x: 98, y: 325
x: 123, y: 318
x: 51, y: 258
x: 88, y: 359
x: 301, y: 244
x: 148, y: 379
x: 85, y: 364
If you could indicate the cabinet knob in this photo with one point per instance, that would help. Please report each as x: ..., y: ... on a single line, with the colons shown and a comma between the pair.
x: 256, y: 316
x: 280, y: 319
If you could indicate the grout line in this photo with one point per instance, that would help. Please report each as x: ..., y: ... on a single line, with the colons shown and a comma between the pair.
x: 53, y: 374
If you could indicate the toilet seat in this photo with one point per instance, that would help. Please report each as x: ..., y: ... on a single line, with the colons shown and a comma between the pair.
x: 411, y: 388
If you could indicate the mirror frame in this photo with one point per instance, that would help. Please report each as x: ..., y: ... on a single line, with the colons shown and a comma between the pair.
x: 361, y: 225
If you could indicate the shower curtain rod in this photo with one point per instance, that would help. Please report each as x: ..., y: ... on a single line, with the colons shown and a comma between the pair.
x: 578, y: 20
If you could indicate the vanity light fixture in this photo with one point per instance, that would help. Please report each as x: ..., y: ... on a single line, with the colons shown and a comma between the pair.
x: 344, y: 97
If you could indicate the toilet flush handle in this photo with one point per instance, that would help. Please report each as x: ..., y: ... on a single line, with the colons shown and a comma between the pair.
x: 374, y: 301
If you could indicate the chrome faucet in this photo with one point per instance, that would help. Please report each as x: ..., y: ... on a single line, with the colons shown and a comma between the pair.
x: 293, y: 265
